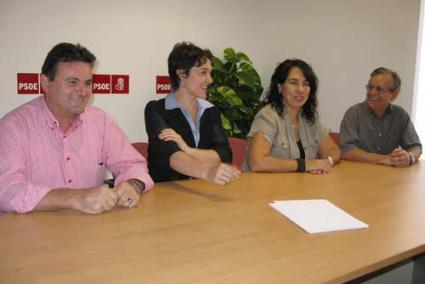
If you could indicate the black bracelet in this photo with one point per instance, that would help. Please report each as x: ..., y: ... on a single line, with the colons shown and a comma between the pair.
x: 300, y: 165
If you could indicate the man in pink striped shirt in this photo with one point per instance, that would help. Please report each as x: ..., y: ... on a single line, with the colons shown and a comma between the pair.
x: 54, y: 150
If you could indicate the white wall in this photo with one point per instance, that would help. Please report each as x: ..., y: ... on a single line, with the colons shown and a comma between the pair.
x: 342, y: 39
x: 419, y: 100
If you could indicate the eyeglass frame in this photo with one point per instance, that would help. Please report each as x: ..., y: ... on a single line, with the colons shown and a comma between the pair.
x: 379, y: 89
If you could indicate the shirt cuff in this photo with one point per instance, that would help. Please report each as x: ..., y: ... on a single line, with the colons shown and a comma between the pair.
x: 26, y: 200
x: 145, y: 178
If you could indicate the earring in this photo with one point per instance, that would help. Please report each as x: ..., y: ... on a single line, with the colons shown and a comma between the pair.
x: 279, y: 88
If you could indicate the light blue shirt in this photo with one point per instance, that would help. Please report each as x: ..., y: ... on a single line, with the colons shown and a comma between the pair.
x: 172, y: 103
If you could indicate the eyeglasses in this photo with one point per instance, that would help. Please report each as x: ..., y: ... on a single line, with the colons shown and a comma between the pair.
x: 378, y: 89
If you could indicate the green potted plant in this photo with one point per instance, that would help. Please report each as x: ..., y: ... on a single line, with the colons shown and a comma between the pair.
x: 236, y: 91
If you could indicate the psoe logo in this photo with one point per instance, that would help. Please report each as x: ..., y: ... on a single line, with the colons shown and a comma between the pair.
x: 163, y: 85
x: 120, y: 84
x: 28, y: 83
x: 101, y: 84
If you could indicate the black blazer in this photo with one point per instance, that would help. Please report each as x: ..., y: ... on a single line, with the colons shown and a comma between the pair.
x: 158, y: 118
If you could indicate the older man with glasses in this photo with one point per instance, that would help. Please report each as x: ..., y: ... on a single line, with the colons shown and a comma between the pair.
x: 377, y: 131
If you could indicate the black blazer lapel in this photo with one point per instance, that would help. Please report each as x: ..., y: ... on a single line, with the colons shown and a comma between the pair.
x: 178, y: 122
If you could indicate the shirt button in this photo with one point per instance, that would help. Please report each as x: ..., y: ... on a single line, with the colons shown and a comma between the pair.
x: 70, y: 180
x: 68, y: 158
x: 379, y: 134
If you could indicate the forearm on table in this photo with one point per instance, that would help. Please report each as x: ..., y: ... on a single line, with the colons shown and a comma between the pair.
x: 58, y: 199
x: 203, y: 155
x: 359, y: 155
x: 185, y: 164
x: 272, y: 164
x: 20, y: 196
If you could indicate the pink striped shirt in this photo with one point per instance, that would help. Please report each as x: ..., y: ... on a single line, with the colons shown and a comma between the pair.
x: 36, y: 156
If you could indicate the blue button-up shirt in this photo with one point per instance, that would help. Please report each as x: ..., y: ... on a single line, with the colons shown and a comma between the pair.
x: 172, y: 103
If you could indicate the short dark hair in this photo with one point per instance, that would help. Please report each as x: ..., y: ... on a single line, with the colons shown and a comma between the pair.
x: 396, y: 78
x: 274, y: 97
x: 185, y: 55
x: 65, y: 52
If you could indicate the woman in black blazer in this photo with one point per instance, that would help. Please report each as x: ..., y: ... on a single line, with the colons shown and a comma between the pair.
x: 186, y: 138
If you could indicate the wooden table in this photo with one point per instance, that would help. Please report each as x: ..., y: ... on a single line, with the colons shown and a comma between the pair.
x: 195, y: 232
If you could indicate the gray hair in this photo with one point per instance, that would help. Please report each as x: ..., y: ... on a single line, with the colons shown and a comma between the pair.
x: 396, y: 78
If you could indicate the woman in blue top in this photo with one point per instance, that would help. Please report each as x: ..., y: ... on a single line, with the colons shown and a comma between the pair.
x: 186, y: 138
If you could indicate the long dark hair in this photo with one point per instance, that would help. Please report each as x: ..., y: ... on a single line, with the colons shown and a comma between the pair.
x: 274, y: 97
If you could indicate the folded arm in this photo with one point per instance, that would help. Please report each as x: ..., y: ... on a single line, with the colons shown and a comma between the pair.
x: 218, y: 173
x: 205, y: 164
x: 201, y: 155
x: 261, y: 160
x: 358, y: 155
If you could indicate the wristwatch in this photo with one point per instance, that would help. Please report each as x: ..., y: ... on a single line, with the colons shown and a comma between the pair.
x: 137, y: 185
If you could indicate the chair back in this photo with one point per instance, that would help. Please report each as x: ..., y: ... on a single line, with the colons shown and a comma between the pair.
x: 239, y: 148
x: 142, y: 148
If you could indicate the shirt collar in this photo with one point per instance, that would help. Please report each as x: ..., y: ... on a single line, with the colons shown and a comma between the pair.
x: 51, y: 120
x: 387, y: 111
x: 172, y: 103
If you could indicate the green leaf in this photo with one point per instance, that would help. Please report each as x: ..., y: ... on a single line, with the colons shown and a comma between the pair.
x: 217, y: 64
x: 225, y: 122
x: 230, y: 55
x: 230, y: 95
x: 243, y: 57
x: 236, y: 91
x: 247, y: 111
x: 247, y: 71
x: 236, y: 130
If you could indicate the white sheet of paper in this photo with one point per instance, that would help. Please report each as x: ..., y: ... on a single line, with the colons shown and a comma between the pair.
x: 317, y: 215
